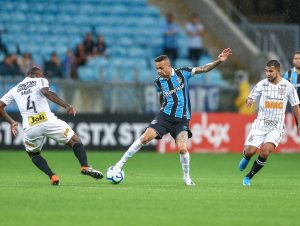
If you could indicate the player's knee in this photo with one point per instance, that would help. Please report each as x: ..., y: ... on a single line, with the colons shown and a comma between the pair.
x: 183, y: 150
x: 145, y: 139
x: 32, y: 154
x: 266, y: 151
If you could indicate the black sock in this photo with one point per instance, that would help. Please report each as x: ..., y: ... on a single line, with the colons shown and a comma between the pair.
x: 42, y: 164
x: 80, y: 153
x: 257, y: 165
x: 244, y: 155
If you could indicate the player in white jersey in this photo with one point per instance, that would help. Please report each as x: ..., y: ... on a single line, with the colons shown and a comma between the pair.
x: 39, y: 122
x: 267, y: 129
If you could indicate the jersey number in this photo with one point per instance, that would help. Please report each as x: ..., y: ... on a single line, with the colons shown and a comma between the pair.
x: 31, y: 104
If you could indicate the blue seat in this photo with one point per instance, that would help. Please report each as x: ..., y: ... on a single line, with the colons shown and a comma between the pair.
x: 181, y: 62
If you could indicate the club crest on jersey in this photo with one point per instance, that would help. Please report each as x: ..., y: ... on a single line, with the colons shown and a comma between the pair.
x: 179, y: 80
x: 281, y: 91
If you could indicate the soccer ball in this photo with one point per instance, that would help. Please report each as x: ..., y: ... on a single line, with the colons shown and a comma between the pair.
x: 114, y: 175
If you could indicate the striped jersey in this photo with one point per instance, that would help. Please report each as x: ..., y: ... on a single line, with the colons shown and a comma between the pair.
x: 176, y: 102
x: 272, y: 104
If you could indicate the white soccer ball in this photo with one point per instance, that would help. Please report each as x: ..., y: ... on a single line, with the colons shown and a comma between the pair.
x: 114, y: 175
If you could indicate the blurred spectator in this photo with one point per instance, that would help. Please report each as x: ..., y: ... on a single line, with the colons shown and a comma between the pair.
x: 88, y: 43
x: 100, y: 46
x: 170, y: 38
x: 3, y: 47
x: 80, y: 55
x: 69, y: 65
x: 25, y: 62
x: 52, y: 68
x: 9, y: 66
x: 195, y: 31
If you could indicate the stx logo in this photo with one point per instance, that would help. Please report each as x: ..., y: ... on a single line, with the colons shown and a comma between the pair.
x: 273, y: 104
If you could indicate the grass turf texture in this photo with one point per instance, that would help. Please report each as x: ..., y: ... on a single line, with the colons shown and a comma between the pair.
x: 153, y: 192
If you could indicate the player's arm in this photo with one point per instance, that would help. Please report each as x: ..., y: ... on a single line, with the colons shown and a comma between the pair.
x: 207, y: 67
x: 55, y: 99
x: 7, y: 118
x: 296, y: 110
x: 254, y: 95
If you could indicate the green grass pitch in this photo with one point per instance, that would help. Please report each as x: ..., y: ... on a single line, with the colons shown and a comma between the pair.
x: 152, y: 194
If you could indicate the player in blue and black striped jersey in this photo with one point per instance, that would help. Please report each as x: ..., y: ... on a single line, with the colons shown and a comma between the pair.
x: 175, y: 112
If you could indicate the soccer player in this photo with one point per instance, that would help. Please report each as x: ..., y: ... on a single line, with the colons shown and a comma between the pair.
x: 39, y: 122
x: 268, y: 127
x: 293, y: 74
x: 175, y: 112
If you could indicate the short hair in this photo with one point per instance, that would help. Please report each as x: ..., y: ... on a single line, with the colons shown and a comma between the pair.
x: 297, y: 52
x: 32, y: 72
x: 273, y: 63
x: 161, y: 58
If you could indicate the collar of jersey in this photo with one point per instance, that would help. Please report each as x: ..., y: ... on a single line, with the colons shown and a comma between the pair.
x: 173, y: 74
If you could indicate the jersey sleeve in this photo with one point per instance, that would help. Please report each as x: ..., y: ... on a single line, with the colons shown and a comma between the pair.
x: 293, y: 97
x: 187, y: 72
x: 43, y: 83
x: 8, y: 98
x: 256, y: 91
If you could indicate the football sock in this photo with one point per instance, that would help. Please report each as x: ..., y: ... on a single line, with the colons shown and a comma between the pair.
x: 257, y: 165
x: 244, y: 155
x: 185, y: 164
x: 134, y: 148
x: 80, y: 153
x: 42, y: 164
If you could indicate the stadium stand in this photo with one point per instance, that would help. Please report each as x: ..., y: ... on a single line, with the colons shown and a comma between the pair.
x: 132, y: 31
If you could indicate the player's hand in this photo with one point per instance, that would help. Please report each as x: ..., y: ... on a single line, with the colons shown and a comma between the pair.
x: 249, y: 102
x: 71, y: 110
x: 225, y: 54
x: 14, y: 128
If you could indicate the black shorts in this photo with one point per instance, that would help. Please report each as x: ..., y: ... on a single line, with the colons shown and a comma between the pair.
x: 164, y: 124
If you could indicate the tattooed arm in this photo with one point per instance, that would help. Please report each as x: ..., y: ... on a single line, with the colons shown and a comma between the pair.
x: 207, y: 67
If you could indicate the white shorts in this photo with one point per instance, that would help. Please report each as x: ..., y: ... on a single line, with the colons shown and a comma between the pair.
x: 55, y: 129
x: 258, y: 137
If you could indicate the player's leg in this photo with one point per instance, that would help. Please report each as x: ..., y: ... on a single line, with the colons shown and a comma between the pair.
x: 33, y: 143
x: 248, y: 152
x: 254, y: 139
x: 42, y: 164
x: 80, y: 153
x: 270, y: 142
x: 146, y: 137
x: 266, y: 150
x: 61, y: 132
x: 181, y: 143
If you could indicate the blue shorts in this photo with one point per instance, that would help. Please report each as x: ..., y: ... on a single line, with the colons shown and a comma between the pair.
x: 164, y: 124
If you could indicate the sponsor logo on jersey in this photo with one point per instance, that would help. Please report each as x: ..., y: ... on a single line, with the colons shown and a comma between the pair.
x: 179, y: 80
x: 273, y: 105
x: 174, y: 90
x: 270, y: 123
x: 37, y: 119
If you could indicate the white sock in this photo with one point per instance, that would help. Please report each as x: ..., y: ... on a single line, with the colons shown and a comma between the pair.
x: 185, y: 164
x: 134, y: 148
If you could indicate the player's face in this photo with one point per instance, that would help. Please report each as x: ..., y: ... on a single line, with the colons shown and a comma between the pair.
x: 296, y: 61
x: 272, y: 73
x: 164, y: 68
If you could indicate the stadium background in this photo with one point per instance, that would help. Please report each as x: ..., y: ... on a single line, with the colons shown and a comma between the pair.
x: 116, y: 99
x: 117, y: 87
